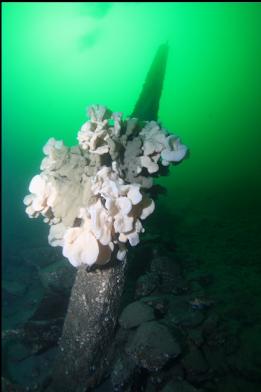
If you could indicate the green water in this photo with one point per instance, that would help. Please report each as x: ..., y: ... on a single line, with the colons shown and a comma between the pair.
x: 58, y: 58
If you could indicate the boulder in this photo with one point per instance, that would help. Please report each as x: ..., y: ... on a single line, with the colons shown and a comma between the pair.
x: 181, y: 314
x: 58, y: 276
x: 135, y: 314
x: 152, y: 346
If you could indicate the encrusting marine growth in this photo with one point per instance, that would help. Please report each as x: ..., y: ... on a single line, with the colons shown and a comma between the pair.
x: 94, y: 196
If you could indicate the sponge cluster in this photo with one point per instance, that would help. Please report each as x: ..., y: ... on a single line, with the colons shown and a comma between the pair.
x: 94, y: 196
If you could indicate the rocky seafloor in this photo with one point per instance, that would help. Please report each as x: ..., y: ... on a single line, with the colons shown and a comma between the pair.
x: 182, y: 326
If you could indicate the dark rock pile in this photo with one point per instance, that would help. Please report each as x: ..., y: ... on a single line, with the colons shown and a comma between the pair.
x: 170, y: 336
x: 38, y: 292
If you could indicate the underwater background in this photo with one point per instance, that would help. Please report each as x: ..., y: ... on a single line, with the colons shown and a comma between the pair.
x: 58, y: 58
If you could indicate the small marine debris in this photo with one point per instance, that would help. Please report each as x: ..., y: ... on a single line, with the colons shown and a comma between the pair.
x: 201, y: 303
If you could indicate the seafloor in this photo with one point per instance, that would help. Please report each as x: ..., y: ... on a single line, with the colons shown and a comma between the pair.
x: 196, y: 273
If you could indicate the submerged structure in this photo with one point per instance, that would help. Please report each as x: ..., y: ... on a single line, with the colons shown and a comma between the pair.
x: 95, y: 196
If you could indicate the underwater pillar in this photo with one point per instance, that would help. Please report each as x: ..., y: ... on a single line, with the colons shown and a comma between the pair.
x: 147, y: 105
x: 95, y: 298
x: 88, y: 328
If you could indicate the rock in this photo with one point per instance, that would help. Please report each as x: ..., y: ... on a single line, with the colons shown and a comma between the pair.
x: 179, y: 386
x: 152, y: 346
x: 42, y: 335
x: 156, y: 378
x: 121, y: 337
x: 195, y: 336
x: 145, y: 284
x: 169, y: 275
x: 8, y: 386
x: 56, y: 281
x: 42, y: 256
x: 12, y: 334
x: 58, y: 276
x: 172, y: 371
x: 158, y: 303
x: 14, y: 287
x: 31, y: 371
x: 180, y: 286
x: 245, y: 367
x: 247, y: 361
x: 216, y: 359
x: 219, y: 338
x: 162, y: 264
x: 231, y: 383
x: 206, y: 280
x: 210, y: 325
x: 106, y: 386
x: 150, y: 387
x: 51, y: 306
x: 196, y: 289
x: 17, y: 352
x: 177, y: 372
x: 181, y: 313
x: 194, y: 363
x: 35, y: 336
x: 232, y: 344
x: 123, y: 372
x: 135, y: 314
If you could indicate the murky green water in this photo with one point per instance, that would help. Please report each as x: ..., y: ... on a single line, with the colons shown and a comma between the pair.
x: 58, y: 58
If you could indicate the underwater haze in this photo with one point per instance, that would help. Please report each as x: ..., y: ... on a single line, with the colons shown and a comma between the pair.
x: 59, y: 58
